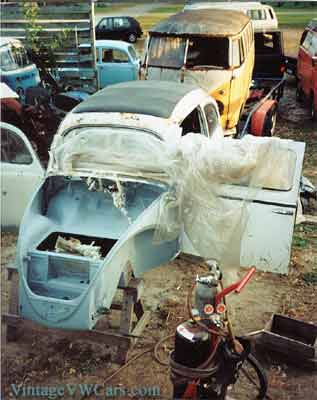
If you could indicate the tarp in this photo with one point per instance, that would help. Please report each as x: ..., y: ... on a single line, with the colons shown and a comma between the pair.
x: 197, y: 172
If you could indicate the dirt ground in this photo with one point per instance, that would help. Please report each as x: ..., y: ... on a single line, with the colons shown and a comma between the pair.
x: 37, y: 360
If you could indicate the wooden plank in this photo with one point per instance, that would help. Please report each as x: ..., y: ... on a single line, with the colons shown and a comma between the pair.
x: 48, y: 33
x: 55, y: 17
x: 135, y: 288
x: 11, y: 332
x: 126, y: 317
x: 48, y: 22
x: 71, y: 44
x: 141, y: 324
x: 61, y: 9
x: 75, y: 58
x: 14, y: 293
x: 84, y: 73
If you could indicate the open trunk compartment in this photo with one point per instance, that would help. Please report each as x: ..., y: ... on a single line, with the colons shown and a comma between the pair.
x: 63, y: 275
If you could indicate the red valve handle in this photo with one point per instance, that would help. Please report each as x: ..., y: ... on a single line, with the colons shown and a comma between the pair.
x: 237, y: 287
x: 245, y: 280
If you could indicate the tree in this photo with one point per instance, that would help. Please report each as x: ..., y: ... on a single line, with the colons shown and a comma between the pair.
x: 34, y: 37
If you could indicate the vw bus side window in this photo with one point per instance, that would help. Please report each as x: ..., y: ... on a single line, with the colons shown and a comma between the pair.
x: 257, y: 15
x: 235, y: 53
x: 167, y: 52
x: 242, y: 51
x: 199, y: 53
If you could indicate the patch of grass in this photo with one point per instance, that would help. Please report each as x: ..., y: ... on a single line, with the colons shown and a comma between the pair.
x: 170, y: 9
x: 149, y: 20
x: 300, y: 242
x: 112, y: 8
x: 295, y: 20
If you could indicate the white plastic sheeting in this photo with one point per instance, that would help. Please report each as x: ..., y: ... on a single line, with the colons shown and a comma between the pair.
x: 197, y: 171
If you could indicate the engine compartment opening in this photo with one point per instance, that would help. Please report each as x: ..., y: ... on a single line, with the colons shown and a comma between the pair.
x: 105, y: 244
x: 64, y: 274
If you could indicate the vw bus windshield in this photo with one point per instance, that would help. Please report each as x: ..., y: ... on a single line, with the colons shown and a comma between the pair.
x: 7, y: 62
x: 13, y: 57
x: 169, y: 52
x: 208, y: 52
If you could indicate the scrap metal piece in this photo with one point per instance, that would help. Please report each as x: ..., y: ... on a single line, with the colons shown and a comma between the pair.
x: 74, y: 246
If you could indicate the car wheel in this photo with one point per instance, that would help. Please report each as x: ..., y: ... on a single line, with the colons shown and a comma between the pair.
x: 270, y: 122
x: 132, y: 38
x: 313, y: 110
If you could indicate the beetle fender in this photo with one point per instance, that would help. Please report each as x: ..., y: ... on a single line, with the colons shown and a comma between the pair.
x: 259, y: 116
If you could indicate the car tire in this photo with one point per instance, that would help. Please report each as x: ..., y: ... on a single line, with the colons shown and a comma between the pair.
x: 132, y: 38
x: 313, y: 110
x: 270, y: 122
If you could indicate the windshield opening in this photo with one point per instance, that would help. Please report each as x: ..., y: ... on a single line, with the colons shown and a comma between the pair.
x: 167, y: 52
x: 13, y: 57
x: 210, y: 52
x: 6, y: 60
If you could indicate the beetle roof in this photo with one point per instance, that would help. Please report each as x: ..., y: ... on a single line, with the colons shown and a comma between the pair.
x: 117, y: 44
x: 206, y: 22
x: 156, y: 98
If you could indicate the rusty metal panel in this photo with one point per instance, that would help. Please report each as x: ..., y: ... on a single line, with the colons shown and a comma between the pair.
x: 202, y: 23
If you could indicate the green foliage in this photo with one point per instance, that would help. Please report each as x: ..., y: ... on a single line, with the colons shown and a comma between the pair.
x: 32, y: 29
x: 299, y: 241
x: 34, y: 36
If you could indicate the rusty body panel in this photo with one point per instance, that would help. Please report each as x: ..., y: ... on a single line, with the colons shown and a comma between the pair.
x: 202, y: 23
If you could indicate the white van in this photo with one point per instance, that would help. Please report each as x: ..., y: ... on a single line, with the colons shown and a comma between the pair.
x: 263, y: 16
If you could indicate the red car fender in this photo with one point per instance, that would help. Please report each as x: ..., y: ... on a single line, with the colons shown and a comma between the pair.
x: 258, y: 117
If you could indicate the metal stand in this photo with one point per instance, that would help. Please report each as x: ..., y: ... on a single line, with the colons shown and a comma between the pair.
x: 123, y: 337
